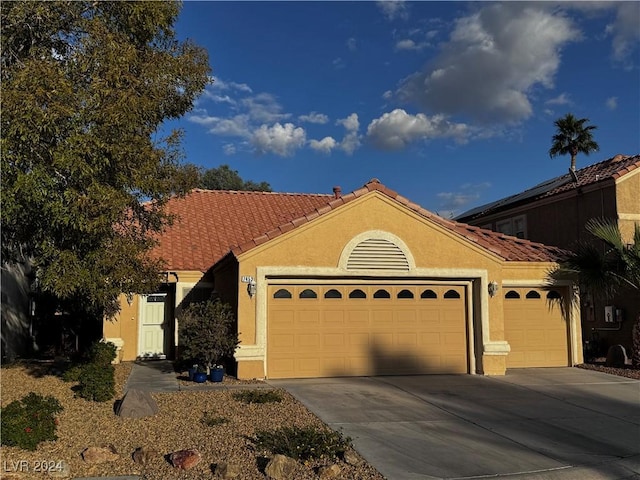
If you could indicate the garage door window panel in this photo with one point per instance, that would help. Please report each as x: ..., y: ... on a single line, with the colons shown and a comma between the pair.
x: 282, y: 293
x: 381, y: 293
x: 307, y: 293
x: 531, y: 294
x: 357, y: 293
x: 405, y: 294
x: 429, y: 294
x: 332, y: 294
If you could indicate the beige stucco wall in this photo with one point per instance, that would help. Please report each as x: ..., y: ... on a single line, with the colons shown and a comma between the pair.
x: 315, y: 249
x: 122, y: 329
x: 628, y: 203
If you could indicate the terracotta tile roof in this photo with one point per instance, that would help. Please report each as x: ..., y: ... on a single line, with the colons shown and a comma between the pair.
x: 212, y: 223
x: 504, y: 246
x: 607, y: 170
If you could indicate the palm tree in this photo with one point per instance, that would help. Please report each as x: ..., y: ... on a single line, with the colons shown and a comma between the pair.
x: 605, y: 273
x: 572, y: 137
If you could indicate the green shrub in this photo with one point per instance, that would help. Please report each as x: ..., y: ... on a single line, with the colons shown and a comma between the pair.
x: 258, y: 396
x: 97, y: 382
x: 29, y: 421
x: 211, y: 420
x: 73, y: 373
x: 102, y: 353
x: 302, y: 443
x: 207, y: 332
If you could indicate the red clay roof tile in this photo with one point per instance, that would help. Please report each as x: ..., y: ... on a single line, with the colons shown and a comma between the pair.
x: 212, y: 223
x: 612, y: 168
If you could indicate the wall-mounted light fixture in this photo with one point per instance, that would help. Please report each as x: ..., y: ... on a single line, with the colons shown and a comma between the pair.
x: 252, y: 287
x: 493, y: 288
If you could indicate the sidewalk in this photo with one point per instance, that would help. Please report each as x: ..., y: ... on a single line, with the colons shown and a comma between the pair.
x: 159, y: 376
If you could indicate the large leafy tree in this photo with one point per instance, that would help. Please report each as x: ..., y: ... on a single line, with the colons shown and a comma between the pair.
x: 86, y: 165
x: 573, y: 137
x: 223, y: 178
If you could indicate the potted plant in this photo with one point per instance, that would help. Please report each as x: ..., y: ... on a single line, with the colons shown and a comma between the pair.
x: 200, y: 376
x: 192, y: 371
x: 216, y: 373
x: 207, y: 332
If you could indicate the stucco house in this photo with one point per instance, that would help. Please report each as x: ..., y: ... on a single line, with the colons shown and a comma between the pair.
x: 365, y: 283
x: 555, y: 213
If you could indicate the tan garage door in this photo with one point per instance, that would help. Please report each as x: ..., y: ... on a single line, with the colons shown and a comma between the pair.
x: 535, y: 328
x: 373, y: 329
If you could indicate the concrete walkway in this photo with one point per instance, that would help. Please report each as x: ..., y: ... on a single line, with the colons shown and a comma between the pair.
x: 542, y: 424
x: 159, y: 376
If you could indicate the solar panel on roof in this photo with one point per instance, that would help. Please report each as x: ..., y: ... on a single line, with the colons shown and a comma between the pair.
x: 532, y: 192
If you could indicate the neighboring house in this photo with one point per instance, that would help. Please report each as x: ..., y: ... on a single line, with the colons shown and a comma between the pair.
x: 555, y: 213
x: 366, y: 283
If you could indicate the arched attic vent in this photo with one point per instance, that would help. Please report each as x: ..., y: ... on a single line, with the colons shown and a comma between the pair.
x: 377, y: 254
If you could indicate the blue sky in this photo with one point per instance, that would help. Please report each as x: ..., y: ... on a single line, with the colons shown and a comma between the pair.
x: 452, y: 104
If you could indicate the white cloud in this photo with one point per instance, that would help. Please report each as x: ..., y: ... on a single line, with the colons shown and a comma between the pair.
x: 324, y: 146
x: 264, y: 108
x: 351, y: 141
x: 352, y: 44
x: 492, y: 60
x: 314, y: 117
x: 281, y: 140
x: 625, y: 31
x: 220, y: 84
x: 452, y: 202
x: 351, y: 123
x: 562, y: 99
x: 338, y: 63
x: 397, y: 129
x: 612, y: 103
x: 409, y: 44
x: 393, y: 9
x: 229, y: 149
x: 220, y: 98
x: 387, y: 95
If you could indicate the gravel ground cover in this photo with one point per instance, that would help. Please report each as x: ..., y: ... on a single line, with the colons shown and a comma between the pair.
x: 628, y: 371
x: 177, y: 426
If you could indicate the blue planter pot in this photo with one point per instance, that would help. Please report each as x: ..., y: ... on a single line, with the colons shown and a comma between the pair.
x: 217, y: 374
x: 200, y: 377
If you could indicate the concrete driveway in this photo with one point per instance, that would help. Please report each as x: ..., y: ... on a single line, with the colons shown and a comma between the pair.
x: 556, y: 423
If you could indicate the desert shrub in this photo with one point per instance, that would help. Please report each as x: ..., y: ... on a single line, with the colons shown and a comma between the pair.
x: 73, y: 373
x: 102, y: 353
x: 258, y: 396
x: 302, y: 443
x: 29, y: 421
x: 211, y: 420
x: 97, y: 382
x: 207, y: 332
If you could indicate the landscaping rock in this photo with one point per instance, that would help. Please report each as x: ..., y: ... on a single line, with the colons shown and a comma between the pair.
x: 99, y: 454
x: 144, y: 456
x: 185, y: 459
x: 228, y: 470
x: 616, y: 356
x: 328, y: 472
x: 137, y: 404
x: 280, y: 467
x: 352, y: 458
